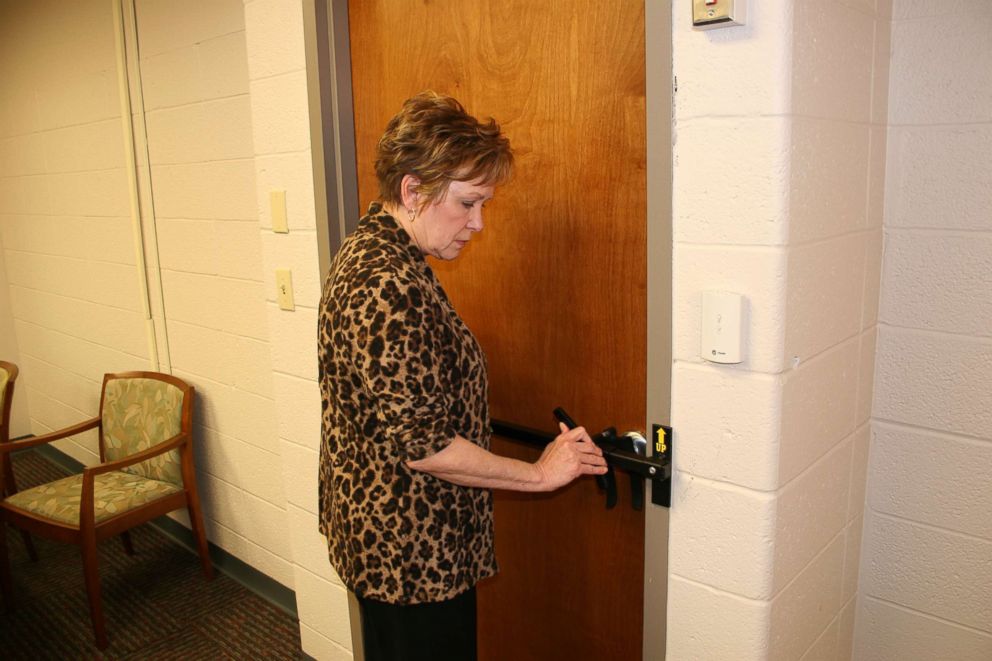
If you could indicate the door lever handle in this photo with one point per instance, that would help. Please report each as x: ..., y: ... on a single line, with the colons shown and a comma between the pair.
x: 626, y: 453
x: 564, y: 418
x: 605, y: 439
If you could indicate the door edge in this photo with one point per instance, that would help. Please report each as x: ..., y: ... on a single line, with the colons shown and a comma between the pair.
x: 332, y: 124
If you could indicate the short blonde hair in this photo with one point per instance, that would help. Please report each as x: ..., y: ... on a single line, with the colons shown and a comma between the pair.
x: 435, y: 140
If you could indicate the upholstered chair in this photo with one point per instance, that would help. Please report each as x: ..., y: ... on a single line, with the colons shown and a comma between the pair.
x: 146, y: 470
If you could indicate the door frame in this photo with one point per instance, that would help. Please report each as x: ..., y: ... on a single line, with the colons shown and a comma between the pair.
x: 337, y: 207
x: 659, y: 86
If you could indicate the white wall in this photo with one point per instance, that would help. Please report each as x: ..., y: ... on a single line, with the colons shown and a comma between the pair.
x: 281, y: 134
x: 197, y: 109
x: 20, y: 424
x: 777, y: 195
x: 68, y: 245
x: 926, y: 574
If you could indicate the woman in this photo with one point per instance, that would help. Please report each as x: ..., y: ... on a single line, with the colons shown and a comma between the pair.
x: 405, y: 468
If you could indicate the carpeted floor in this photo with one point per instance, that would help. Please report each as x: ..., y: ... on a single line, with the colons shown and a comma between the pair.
x: 157, y: 603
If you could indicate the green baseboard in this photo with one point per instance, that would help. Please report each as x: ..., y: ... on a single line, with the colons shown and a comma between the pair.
x: 267, y: 588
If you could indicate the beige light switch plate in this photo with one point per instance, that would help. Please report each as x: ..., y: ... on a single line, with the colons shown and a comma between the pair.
x: 277, y: 204
x: 284, y: 289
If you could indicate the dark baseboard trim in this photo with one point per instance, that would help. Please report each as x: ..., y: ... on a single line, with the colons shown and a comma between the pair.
x: 267, y: 588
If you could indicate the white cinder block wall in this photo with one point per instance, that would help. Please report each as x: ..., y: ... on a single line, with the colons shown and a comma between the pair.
x: 194, y: 78
x: 281, y: 132
x: 926, y: 571
x: 779, y: 169
x: 20, y: 423
x: 68, y: 243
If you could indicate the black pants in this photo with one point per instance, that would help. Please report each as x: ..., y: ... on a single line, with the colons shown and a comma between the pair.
x: 442, y: 631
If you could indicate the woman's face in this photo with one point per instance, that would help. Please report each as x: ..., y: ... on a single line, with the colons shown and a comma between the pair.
x: 446, y: 225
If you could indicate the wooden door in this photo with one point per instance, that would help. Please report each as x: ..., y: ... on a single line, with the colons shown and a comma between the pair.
x: 554, y: 287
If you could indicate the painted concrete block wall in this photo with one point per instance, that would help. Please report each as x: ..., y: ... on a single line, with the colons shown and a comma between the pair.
x: 68, y: 243
x: 281, y: 138
x: 730, y: 236
x: 197, y: 113
x: 928, y: 534
x: 839, y: 82
x: 778, y: 180
x: 20, y: 423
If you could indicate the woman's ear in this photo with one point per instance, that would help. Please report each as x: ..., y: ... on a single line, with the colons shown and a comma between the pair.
x: 408, y: 191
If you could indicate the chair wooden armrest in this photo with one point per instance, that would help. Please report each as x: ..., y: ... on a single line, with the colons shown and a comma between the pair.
x: 167, y: 445
x: 23, y: 444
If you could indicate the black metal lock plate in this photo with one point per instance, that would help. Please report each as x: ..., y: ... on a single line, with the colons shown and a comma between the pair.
x: 661, y: 490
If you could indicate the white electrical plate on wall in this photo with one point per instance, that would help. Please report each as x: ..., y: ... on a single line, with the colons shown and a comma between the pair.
x: 722, y: 336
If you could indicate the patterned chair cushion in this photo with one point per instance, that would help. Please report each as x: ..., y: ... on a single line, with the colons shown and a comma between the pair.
x: 137, y: 414
x: 113, y: 493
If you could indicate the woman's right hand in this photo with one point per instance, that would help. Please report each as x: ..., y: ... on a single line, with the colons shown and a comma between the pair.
x: 571, y: 455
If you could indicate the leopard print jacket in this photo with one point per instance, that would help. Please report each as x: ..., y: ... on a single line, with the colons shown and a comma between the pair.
x: 400, y: 375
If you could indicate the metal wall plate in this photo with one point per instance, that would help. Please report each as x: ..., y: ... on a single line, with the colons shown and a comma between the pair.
x: 710, y: 14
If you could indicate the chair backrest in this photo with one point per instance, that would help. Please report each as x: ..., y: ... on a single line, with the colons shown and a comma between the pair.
x: 8, y: 374
x: 142, y: 409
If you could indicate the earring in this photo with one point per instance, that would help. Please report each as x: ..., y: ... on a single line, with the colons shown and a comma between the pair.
x: 413, y: 214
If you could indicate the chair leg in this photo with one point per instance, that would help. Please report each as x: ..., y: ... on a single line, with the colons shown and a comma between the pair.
x: 11, y: 489
x: 6, y: 584
x: 88, y: 547
x: 126, y: 540
x: 29, y: 545
x: 199, y: 533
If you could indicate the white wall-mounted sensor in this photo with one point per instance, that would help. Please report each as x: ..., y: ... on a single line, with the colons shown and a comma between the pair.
x: 722, y: 337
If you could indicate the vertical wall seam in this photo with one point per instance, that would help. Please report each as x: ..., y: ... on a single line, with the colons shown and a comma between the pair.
x: 147, y: 225
x: 127, y: 128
